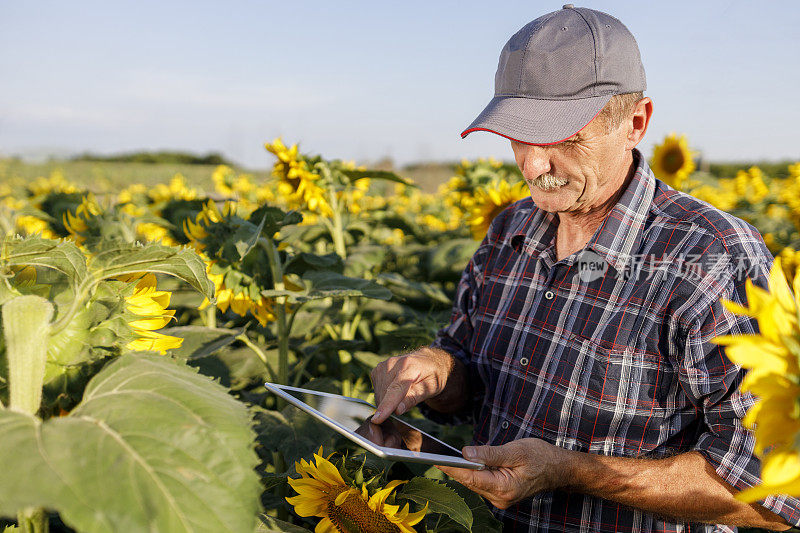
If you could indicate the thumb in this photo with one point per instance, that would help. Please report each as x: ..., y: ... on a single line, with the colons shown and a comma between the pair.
x: 487, y: 455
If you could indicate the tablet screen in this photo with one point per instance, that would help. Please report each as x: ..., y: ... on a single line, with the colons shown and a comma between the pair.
x: 356, y: 416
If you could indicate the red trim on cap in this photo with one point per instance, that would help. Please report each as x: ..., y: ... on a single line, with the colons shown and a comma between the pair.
x: 468, y: 131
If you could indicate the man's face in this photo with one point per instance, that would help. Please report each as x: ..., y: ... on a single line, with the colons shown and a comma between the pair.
x: 576, y: 175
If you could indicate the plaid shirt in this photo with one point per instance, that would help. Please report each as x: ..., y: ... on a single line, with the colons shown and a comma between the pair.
x: 607, y: 351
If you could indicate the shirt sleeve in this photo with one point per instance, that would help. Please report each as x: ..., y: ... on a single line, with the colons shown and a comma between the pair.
x: 712, y: 383
x: 456, y: 339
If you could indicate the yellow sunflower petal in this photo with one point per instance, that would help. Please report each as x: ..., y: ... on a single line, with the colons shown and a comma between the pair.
x: 325, y: 526
x: 327, y: 472
x: 343, y: 496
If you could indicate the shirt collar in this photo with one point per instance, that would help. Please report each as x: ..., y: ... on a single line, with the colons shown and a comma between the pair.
x: 620, y: 234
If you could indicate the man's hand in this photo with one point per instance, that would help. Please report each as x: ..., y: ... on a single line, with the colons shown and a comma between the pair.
x: 685, y: 487
x: 515, y: 470
x: 402, y: 382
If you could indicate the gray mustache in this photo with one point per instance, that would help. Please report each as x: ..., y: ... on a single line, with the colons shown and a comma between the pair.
x: 548, y: 181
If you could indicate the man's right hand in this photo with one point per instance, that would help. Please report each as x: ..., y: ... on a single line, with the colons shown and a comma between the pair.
x: 402, y: 382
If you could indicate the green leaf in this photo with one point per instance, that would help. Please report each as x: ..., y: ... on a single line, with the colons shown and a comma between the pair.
x: 268, y: 524
x: 301, y: 263
x: 447, y: 261
x: 326, y: 284
x: 183, y: 263
x: 414, y: 290
x: 483, y: 520
x: 292, y: 432
x: 440, y: 499
x: 236, y: 368
x: 62, y: 256
x: 377, y: 175
x: 274, y: 219
x: 246, y: 237
x: 369, y: 359
x: 200, y: 341
x: 364, y: 259
x: 153, y: 446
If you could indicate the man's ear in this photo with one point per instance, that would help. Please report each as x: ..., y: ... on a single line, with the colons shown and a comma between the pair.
x: 637, y: 125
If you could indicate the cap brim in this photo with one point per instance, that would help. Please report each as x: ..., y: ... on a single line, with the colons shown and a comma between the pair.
x: 537, y: 121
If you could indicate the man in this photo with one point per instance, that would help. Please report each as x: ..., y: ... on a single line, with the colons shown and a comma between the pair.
x: 579, y: 343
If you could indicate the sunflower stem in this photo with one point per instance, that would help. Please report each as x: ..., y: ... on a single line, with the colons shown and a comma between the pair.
x: 82, y: 292
x: 294, y: 315
x: 260, y: 353
x: 280, y: 313
x: 211, y: 316
x: 338, y: 227
x: 280, y: 468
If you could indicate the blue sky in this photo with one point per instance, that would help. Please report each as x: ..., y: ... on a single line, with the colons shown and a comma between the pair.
x: 364, y: 80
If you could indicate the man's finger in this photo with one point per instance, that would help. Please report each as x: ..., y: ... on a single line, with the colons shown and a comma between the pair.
x: 480, y: 481
x: 394, y: 396
x: 487, y: 455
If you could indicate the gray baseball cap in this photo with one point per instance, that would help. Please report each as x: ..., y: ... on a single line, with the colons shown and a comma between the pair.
x: 557, y: 73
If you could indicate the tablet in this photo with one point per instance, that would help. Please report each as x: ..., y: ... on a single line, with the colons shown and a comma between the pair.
x: 393, y: 439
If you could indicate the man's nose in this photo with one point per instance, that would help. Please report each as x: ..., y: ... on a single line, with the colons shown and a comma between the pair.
x: 536, y: 161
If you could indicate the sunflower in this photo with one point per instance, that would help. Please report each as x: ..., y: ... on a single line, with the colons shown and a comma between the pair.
x: 177, y: 189
x: 490, y: 201
x: 750, y: 184
x: 774, y: 377
x: 55, y: 183
x: 672, y: 161
x: 790, y: 259
x: 31, y: 225
x: 344, y: 508
x: 151, y: 232
x: 723, y: 197
x: 297, y: 184
x: 151, y: 306
x: 237, y: 298
x: 76, y: 224
x: 238, y: 302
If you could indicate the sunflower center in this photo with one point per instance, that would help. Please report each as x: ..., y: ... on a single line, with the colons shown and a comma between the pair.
x: 293, y: 182
x: 673, y: 160
x: 355, y: 516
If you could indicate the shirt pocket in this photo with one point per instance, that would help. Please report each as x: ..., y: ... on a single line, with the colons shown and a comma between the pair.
x: 622, y: 396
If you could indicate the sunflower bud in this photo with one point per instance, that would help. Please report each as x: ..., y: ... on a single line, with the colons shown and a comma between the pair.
x: 26, y: 327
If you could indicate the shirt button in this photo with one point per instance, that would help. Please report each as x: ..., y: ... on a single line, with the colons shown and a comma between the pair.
x: 504, y: 425
x: 549, y: 295
x: 523, y: 361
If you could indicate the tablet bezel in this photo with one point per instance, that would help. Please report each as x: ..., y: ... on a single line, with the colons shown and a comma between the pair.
x: 380, y: 451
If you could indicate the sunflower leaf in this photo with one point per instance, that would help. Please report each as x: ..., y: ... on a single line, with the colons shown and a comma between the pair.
x: 268, y: 524
x: 385, y: 175
x: 182, y: 263
x: 246, y: 237
x: 447, y: 261
x: 326, y: 284
x: 274, y: 218
x: 440, y: 499
x: 62, y: 256
x: 153, y: 446
x: 482, y: 518
x: 201, y: 341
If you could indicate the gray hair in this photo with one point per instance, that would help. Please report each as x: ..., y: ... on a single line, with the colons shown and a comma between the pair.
x: 619, y: 108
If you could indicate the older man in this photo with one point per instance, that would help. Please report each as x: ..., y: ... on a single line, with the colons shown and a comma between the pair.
x: 579, y: 343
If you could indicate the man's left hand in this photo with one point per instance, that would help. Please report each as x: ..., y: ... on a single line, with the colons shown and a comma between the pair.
x: 515, y: 470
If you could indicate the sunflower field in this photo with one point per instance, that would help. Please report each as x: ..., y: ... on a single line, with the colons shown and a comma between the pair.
x: 139, y: 326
